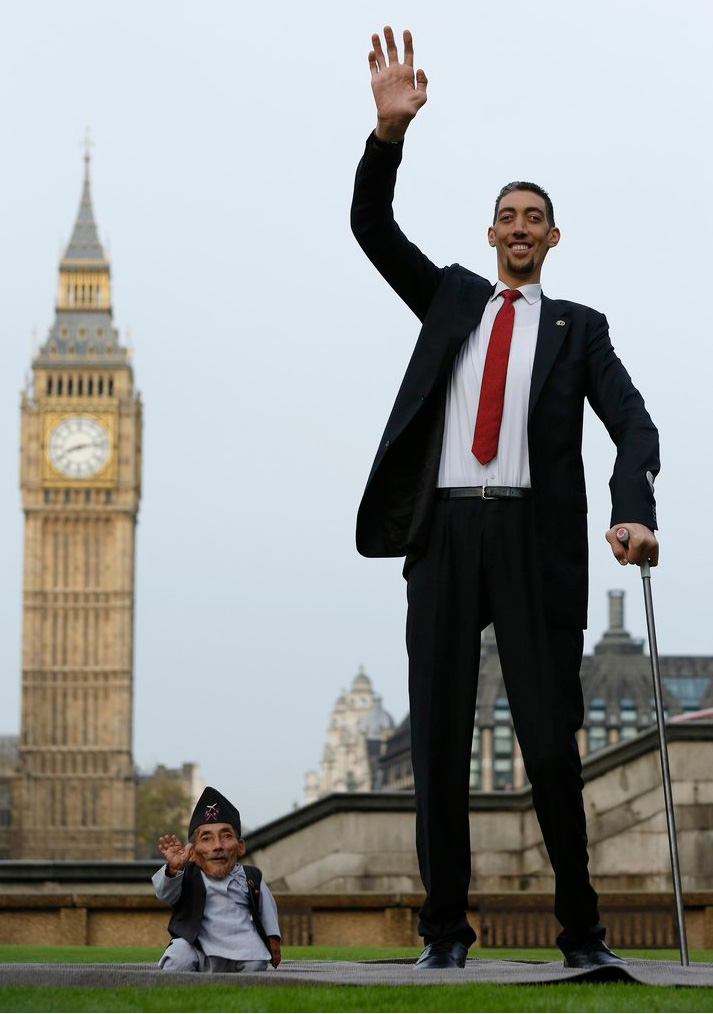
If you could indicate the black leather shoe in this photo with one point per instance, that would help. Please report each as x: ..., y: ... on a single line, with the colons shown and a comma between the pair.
x: 592, y: 957
x: 443, y: 954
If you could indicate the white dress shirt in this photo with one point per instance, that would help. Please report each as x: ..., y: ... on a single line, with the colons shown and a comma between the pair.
x: 511, y: 464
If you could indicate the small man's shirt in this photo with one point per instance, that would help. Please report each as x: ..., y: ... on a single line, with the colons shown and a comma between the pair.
x: 511, y: 465
x: 227, y: 929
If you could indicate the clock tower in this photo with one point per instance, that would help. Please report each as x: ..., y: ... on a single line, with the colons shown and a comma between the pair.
x: 80, y: 475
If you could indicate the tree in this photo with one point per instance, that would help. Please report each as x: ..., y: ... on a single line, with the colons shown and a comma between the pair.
x: 163, y: 805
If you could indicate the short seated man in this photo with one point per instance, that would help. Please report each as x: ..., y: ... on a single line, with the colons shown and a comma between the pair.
x: 224, y: 917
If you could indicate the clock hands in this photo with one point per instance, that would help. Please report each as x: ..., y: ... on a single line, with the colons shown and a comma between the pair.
x: 81, y: 447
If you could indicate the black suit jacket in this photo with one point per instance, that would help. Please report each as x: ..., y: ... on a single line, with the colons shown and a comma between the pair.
x: 574, y: 362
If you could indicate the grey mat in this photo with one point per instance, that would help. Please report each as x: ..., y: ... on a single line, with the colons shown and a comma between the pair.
x: 362, y: 973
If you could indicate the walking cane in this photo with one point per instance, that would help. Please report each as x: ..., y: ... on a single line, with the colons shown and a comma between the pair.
x: 623, y: 537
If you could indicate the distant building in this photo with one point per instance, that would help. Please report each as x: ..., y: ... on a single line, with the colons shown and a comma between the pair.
x: 618, y: 704
x: 188, y: 777
x: 73, y: 796
x: 358, y: 728
x: 165, y: 799
x: 8, y: 773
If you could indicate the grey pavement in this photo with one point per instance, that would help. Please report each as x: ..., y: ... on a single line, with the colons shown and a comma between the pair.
x: 362, y: 973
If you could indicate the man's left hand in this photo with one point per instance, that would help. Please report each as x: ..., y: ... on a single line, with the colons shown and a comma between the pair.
x: 275, y: 951
x: 640, y: 547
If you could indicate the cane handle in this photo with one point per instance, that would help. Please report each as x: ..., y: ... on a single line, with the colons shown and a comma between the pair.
x: 622, y: 535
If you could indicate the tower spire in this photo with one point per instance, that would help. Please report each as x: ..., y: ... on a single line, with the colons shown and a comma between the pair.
x: 84, y: 274
x: 84, y: 244
x: 83, y: 323
x: 88, y: 145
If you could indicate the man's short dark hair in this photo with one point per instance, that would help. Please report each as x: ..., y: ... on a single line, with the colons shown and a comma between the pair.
x: 509, y: 188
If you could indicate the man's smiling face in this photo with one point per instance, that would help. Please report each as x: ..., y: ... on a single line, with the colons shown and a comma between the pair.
x: 216, y: 849
x: 521, y: 235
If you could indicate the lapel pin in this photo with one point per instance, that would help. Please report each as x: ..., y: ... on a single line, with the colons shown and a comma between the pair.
x: 561, y: 323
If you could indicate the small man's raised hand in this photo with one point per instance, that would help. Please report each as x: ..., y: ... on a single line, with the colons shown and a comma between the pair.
x: 398, y: 92
x: 174, y: 852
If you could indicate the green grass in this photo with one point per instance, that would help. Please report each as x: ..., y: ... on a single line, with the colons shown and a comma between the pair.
x: 564, y: 997
x: 466, y: 997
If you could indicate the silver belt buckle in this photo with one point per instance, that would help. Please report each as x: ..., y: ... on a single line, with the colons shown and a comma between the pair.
x: 483, y: 496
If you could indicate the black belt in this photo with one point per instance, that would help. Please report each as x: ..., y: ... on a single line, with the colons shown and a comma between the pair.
x: 484, y: 492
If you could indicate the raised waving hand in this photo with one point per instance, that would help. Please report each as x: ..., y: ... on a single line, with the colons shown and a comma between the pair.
x: 399, y: 93
x: 174, y: 852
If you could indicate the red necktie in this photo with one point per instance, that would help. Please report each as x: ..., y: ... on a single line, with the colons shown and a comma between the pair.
x: 492, y: 389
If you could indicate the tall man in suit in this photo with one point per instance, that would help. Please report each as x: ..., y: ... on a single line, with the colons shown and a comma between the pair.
x: 482, y: 489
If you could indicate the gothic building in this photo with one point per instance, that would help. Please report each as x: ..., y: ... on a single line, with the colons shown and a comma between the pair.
x: 73, y: 795
x: 358, y: 728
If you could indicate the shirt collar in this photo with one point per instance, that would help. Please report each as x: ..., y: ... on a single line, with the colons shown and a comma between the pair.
x: 532, y: 293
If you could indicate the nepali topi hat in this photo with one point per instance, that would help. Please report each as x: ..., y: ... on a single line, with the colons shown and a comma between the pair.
x: 214, y: 808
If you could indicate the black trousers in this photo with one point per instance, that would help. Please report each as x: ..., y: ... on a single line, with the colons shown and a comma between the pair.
x: 481, y: 566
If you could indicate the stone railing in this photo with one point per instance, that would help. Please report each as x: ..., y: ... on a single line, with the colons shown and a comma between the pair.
x: 134, y: 919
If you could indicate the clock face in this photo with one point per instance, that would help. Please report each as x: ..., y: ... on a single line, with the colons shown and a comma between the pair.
x: 79, y: 447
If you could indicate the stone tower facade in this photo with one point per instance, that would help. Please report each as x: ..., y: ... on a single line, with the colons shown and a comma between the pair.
x: 80, y: 476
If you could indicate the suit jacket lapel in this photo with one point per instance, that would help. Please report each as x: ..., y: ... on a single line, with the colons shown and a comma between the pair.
x: 471, y: 302
x: 554, y: 326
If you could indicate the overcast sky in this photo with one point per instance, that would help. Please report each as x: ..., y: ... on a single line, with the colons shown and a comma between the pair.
x: 267, y: 349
